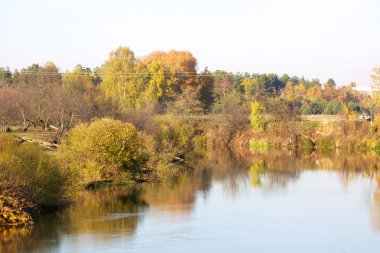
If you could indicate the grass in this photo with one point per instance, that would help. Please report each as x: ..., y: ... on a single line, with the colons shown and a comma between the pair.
x: 322, y: 118
x: 36, y: 135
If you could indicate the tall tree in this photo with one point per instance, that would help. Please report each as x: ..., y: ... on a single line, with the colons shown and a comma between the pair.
x: 7, y: 107
x: 34, y: 87
x: 289, y: 92
x: 157, y: 86
x: 181, y: 64
x: 331, y: 82
x: 117, y: 74
x: 206, y: 88
x: 188, y: 103
x: 222, y: 84
x: 79, y: 80
x: 257, y: 120
x: 5, y: 76
x: 375, y: 76
x: 329, y: 90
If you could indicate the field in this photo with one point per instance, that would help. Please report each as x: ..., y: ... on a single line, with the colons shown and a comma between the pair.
x: 322, y: 118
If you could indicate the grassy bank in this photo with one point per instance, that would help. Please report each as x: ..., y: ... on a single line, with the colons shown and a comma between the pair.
x: 317, y: 136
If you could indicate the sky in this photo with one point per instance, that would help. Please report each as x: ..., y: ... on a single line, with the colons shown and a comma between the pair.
x: 311, y: 38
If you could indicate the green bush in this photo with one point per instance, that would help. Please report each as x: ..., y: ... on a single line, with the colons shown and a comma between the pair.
x: 102, y: 149
x: 312, y: 107
x: 35, y: 173
x: 200, y: 143
x: 322, y: 107
x: 332, y: 108
x: 176, y: 134
x: 168, y: 135
x: 186, y: 133
x: 257, y: 121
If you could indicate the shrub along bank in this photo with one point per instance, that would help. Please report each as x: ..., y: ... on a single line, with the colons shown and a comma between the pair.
x: 319, y: 136
x: 31, y: 181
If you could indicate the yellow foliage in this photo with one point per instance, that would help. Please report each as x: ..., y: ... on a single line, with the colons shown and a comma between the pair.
x: 257, y: 120
x: 102, y: 148
x: 33, y: 173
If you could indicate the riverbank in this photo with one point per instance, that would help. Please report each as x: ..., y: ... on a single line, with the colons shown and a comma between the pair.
x: 319, y: 133
x: 315, y: 136
x: 108, y: 151
x: 35, y: 178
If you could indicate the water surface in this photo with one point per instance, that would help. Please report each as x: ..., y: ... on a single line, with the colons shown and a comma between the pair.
x: 278, y: 202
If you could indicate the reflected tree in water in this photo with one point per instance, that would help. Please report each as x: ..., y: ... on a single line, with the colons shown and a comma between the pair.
x: 118, y: 212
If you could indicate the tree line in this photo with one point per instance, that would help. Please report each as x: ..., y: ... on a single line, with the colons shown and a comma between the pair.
x: 161, y: 82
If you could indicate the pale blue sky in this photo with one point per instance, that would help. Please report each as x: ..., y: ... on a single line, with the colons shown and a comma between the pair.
x: 311, y: 38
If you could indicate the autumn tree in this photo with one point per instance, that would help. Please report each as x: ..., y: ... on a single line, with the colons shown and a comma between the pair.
x: 7, y: 108
x: 257, y: 120
x: 79, y: 80
x: 38, y: 75
x: 300, y: 90
x: 234, y: 111
x: 252, y: 89
x: 181, y: 65
x: 175, y: 61
x: 154, y: 78
x: 329, y: 90
x: 34, y: 86
x: 289, y: 92
x: 158, y: 86
x: 64, y: 110
x: 188, y: 103
x: 259, y: 87
x: 223, y: 84
x: 78, y: 99
x: 375, y: 76
x: 314, y: 93
x: 117, y: 74
x: 5, y: 77
x: 206, y: 84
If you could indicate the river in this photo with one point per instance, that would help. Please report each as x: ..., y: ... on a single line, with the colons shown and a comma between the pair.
x: 224, y: 202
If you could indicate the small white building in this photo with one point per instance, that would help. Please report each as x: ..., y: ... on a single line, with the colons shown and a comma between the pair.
x: 364, y: 90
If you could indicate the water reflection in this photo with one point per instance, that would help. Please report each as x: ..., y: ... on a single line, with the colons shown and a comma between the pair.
x: 280, y: 168
x: 106, y: 215
x: 179, y: 195
x: 375, y: 204
x: 107, y: 212
x: 103, y: 212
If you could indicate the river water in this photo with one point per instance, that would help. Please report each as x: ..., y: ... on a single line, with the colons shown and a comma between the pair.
x: 276, y: 202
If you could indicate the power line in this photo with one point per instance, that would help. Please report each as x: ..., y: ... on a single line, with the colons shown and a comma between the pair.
x: 180, y: 74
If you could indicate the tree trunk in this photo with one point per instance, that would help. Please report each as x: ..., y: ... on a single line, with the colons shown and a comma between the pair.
x: 2, y: 125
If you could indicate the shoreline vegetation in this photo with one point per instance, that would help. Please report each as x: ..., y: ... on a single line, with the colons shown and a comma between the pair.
x: 108, y: 151
x: 137, y: 120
